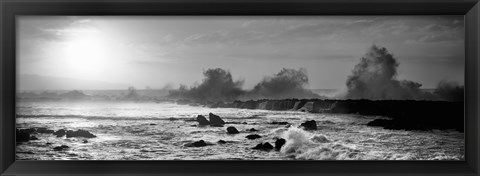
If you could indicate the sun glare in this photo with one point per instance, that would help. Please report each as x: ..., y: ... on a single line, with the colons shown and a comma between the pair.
x: 85, y: 56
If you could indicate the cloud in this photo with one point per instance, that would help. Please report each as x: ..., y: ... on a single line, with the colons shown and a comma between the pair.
x: 48, y: 29
x: 435, y: 33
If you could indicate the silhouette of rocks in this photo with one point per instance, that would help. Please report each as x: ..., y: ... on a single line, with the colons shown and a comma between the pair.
x: 202, y: 120
x: 44, y: 130
x: 252, y: 130
x: 232, y: 130
x: 309, y: 125
x: 265, y: 146
x: 221, y: 142
x: 22, y: 135
x: 85, y: 141
x: 406, y: 113
x: 60, y: 133
x: 60, y: 148
x: 215, y: 120
x: 200, y: 143
x: 253, y: 136
x: 279, y: 143
x: 79, y: 133
x: 279, y: 123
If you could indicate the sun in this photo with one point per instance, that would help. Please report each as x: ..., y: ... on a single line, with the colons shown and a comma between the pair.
x: 85, y: 57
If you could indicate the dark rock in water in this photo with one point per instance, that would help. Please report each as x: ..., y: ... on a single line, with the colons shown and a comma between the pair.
x: 244, y: 123
x: 48, y: 143
x: 152, y: 124
x: 60, y: 148
x: 215, y: 120
x: 22, y: 135
x: 221, y: 142
x: 279, y: 143
x: 232, y: 130
x: 279, y: 123
x: 265, y: 146
x: 309, y: 125
x: 33, y: 138
x: 80, y: 133
x: 253, y: 136
x: 252, y: 130
x: 29, y: 130
x: 44, y: 130
x: 202, y: 120
x: 60, y: 133
x: 200, y: 143
x: 85, y: 141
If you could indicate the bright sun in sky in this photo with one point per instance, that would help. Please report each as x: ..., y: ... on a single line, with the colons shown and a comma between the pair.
x: 85, y: 56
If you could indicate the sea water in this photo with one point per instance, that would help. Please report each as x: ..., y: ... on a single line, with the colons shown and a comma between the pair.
x: 159, y: 131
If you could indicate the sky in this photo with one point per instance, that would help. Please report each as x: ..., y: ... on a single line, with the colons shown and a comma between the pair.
x: 156, y: 51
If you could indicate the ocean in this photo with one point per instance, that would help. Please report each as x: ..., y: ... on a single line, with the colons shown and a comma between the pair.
x: 160, y: 131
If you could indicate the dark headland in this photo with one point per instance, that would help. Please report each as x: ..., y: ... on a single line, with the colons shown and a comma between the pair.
x: 399, y: 114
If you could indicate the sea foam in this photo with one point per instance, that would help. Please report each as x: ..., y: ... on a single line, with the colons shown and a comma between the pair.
x: 301, y: 144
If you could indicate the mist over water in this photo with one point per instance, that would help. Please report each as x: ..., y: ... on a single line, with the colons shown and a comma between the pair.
x: 288, y: 83
x: 218, y: 85
x: 375, y: 78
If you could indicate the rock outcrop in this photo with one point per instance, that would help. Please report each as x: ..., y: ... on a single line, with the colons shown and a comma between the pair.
x: 79, y: 133
x: 309, y: 125
x: 405, y: 113
x: 60, y: 133
x: 279, y: 143
x: 202, y: 120
x: 60, y: 148
x: 232, y: 130
x: 253, y: 136
x: 215, y: 120
x: 200, y: 143
x: 263, y: 146
x: 22, y: 135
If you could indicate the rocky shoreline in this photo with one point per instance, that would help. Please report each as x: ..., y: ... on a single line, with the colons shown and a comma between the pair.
x: 399, y: 114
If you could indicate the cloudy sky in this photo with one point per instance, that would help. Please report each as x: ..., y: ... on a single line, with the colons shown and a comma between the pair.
x: 155, y: 51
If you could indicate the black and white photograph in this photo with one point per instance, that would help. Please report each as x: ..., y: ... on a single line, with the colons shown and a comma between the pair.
x: 240, y: 87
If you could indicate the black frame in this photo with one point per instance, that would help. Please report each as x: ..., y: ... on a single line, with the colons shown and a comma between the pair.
x: 10, y: 8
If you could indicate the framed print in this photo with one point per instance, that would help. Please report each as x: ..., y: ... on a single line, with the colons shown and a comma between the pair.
x: 254, y: 87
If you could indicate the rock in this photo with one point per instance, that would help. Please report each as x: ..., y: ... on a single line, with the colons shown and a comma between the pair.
x: 253, y: 136
x: 279, y: 143
x: 22, y: 135
x: 309, y: 125
x: 232, y: 130
x: 79, y: 133
x: 85, y: 141
x: 200, y: 143
x: 221, y: 142
x: 320, y: 139
x: 202, y: 120
x: 60, y: 148
x: 279, y: 123
x: 60, y: 133
x: 215, y: 120
x: 44, y: 130
x: 152, y: 124
x: 29, y: 130
x: 265, y: 146
x: 252, y: 130
x: 33, y: 138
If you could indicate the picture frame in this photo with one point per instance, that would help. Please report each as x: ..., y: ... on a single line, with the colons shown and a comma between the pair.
x: 11, y: 8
